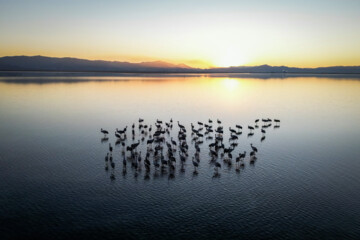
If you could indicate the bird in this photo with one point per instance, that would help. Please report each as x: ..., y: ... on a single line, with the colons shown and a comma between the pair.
x: 242, y: 155
x: 173, y: 142
x: 196, y: 164
x: 251, y: 128
x: 134, y: 145
x: 117, y: 135
x: 121, y: 131
x: 232, y: 130
x: 104, y: 131
x: 253, y: 148
x: 217, y: 165
x: 150, y: 141
x: 233, y: 137
x: 162, y: 144
x: 180, y: 126
x: 252, y: 153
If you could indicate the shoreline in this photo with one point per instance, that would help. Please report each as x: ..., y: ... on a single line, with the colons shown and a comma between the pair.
x: 170, y: 72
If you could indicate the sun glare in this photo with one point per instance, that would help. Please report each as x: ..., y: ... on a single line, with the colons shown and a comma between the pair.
x: 230, y: 84
x: 230, y: 60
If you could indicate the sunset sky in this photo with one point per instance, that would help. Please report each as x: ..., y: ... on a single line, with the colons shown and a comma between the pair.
x: 307, y: 33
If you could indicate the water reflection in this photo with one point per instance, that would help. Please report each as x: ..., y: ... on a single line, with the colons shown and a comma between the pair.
x: 230, y: 84
x: 72, y: 77
x: 51, y: 152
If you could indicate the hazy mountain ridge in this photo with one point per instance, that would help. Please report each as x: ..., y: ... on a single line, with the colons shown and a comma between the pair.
x: 285, y: 69
x: 41, y: 63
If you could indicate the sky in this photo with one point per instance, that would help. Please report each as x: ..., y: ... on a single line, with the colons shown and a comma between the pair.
x: 211, y: 33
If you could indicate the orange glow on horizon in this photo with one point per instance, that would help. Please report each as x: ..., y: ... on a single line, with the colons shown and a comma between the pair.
x: 199, y: 35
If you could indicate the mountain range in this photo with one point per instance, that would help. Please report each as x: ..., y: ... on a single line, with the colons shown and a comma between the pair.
x: 41, y: 63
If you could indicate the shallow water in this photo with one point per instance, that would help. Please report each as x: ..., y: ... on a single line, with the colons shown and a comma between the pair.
x: 304, y: 184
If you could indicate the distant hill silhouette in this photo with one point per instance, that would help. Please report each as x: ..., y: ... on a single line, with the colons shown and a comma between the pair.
x: 41, y: 63
x: 284, y: 69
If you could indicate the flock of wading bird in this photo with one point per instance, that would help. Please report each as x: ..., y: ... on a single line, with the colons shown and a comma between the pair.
x: 162, y: 149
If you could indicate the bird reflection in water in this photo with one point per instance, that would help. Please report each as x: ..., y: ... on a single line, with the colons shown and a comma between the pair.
x: 163, y: 151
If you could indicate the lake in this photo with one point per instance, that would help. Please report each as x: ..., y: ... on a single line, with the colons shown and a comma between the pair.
x: 304, y: 184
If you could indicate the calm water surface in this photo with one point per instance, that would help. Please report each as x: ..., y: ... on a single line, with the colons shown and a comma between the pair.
x: 305, y: 183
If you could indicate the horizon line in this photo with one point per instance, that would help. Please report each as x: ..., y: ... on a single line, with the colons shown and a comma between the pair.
x: 169, y: 62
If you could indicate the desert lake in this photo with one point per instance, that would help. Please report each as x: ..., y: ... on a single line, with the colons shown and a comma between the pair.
x: 304, y: 184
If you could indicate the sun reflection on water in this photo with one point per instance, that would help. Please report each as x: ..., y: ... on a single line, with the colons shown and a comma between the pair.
x: 230, y: 84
